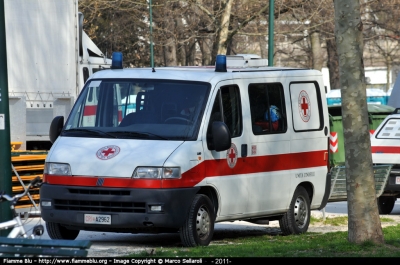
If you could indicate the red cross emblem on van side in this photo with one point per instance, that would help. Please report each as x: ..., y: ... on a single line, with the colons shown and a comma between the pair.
x: 231, y: 156
x: 304, y: 106
x: 107, y: 152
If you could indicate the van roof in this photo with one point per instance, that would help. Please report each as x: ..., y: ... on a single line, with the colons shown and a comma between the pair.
x: 202, y: 73
x: 239, y: 65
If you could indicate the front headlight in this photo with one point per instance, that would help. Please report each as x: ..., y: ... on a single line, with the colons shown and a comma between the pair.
x: 147, y: 173
x: 157, y: 173
x: 57, y: 169
x: 171, y: 173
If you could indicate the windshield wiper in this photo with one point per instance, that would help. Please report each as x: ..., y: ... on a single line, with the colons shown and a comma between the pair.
x: 139, y: 134
x: 92, y: 131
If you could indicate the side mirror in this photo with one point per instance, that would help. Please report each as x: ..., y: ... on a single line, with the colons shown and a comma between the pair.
x: 221, y: 136
x: 55, y: 128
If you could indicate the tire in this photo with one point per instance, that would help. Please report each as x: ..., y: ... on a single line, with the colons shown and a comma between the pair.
x: 198, y: 228
x: 386, y: 204
x: 57, y: 231
x: 297, y: 219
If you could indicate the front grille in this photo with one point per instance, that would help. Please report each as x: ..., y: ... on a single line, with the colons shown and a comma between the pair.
x: 100, y: 206
x: 107, y: 203
x: 100, y: 191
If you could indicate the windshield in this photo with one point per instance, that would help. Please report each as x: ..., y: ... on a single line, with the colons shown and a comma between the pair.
x: 138, y: 109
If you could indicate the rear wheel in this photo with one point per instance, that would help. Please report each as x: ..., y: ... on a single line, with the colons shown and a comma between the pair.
x: 198, y: 228
x: 386, y: 204
x: 297, y: 219
x: 57, y: 231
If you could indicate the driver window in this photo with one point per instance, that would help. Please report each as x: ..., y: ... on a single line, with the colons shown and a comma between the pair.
x: 228, y: 103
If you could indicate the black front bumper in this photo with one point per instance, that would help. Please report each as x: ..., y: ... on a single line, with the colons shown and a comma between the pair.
x: 391, y: 186
x: 129, y: 208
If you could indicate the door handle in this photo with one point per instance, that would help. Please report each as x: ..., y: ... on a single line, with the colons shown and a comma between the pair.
x: 244, y: 150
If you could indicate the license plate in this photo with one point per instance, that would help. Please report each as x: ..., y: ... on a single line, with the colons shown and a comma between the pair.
x: 97, y: 219
x: 397, y: 180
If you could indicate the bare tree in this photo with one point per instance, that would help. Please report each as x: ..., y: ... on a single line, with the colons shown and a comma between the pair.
x: 307, y: 30
x: 223, y: 28
x: 220, y: 16
x: 119, y: 25
x: 166, y: 31
x: 382, y: 34
x: 364, y: 223
x: 317, y: 58
x: 191, y: 32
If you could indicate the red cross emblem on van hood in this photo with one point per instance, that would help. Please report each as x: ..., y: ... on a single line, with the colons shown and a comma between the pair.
x: 107, y: 152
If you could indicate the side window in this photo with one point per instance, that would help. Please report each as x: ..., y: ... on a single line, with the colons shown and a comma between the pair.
x: 98, y: 69
x: 306, y: 99
x: 228, y: 103
x: 85, y: 71
x: 127, y: 102
x: 267, y: 108
x: 103, y: 104
x: 390, y: 130
x: 90, y: 107
x: 232, y: 109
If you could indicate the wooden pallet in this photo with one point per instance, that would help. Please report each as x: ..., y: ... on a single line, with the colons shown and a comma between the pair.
x: 25, y: 166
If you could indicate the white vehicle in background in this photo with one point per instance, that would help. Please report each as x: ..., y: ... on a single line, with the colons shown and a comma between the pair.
x: 241, y: 141
x: 385, y: 146
x: 49, y: 58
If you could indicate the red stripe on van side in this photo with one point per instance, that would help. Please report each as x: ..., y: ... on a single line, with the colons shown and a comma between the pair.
x: 248, y: 165
x: 90, y: 110
x: 269, y: 163
x: 385, y: 149
x: 209, y: 168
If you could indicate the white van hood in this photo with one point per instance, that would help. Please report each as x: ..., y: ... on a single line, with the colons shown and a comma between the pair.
x: 109, y: 157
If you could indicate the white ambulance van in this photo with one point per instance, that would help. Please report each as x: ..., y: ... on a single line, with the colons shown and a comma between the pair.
x: 385, y: 147
x: 200, y: 145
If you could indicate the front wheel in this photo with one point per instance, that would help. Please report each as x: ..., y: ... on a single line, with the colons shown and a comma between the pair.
x: 297, y: 219
x: 198, y: 228
x: 57, y: 231
x: 386, y: 204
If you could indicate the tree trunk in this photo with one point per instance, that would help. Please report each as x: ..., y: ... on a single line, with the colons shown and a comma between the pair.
x: 317, y: 57
x: 222, y: 29
x: 170, y: 52
x: 181, y: 55
x: 191, y: 52
x: 333, y: 64
x: 389, y: 62
x: 180, y: 47
x: 225, y: 17
x: 205, y: 47
x: 364, y: 223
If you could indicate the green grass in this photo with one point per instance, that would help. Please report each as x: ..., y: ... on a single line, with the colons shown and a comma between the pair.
x: 386, y: 220
x: 333, y: 244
